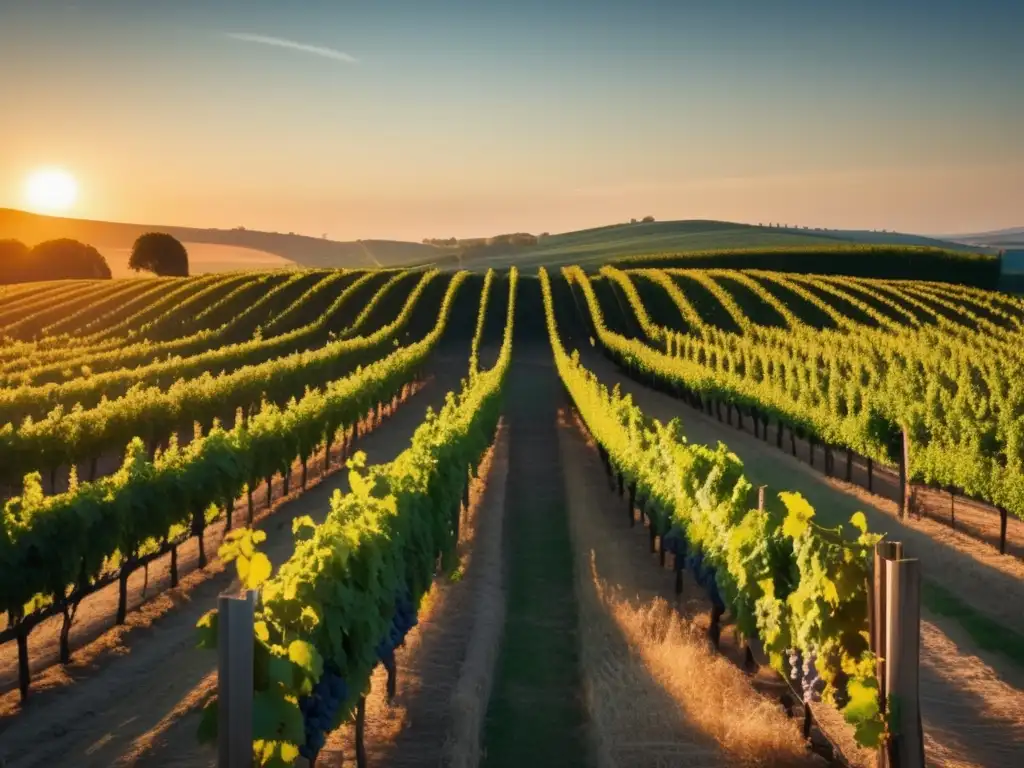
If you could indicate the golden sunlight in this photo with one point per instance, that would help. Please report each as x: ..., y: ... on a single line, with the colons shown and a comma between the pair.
x: 50, y: 190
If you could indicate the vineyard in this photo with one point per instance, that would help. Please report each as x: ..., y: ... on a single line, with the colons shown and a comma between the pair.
x: 627, y: 515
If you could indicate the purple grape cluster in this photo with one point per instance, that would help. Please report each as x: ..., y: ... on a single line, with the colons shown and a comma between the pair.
x: 674, y: 542
x: 705, y: 575
x: 803, y: 671
x: 811, y: 681
x: 320, y: 708
x: 403, y: 621
x: 795, y: 665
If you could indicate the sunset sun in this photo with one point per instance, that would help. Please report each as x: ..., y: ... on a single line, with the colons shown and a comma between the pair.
x: 50, y: 190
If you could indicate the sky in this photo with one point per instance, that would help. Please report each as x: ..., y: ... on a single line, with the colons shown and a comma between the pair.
x: 436, y: 118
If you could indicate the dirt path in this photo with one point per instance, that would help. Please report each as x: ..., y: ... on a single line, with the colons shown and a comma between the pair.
x: 972, y: 698
x: 656, y: 694
x: 535, y: 716
x: 122, y: 712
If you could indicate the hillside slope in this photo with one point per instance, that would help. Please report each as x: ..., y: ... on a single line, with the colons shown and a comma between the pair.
x: 306, y: 251
x: 221, y: 249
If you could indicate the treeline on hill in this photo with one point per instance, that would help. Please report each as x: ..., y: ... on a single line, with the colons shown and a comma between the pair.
x: 51, y: 260
x: 481, y: 246
x: 891, y: 262
x: 66, y: 259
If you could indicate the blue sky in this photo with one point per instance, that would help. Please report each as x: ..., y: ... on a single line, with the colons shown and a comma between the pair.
x: 430, y: 118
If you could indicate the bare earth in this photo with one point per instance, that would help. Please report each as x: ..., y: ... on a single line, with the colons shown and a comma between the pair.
x: 980, y: 721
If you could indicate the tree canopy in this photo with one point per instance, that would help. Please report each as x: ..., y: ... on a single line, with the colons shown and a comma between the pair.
x: 159, y: 253
x: 51, y: 260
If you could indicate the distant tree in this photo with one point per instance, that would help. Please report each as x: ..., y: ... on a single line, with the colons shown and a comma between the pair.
x: 63, y: 259
x: 632, y: 221
x: 543, y: 234
x: 159, y: 253
x: 647, y: 220
x: 14, y: 261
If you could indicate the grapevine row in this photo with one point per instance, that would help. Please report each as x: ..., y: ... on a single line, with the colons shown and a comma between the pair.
x: 36, y: 401
x: 481, y: 320
x: 963, y: 412
x: 52, y: 364
x: 69, y: 437
x: 793, y: 584
x: 53, y: 547
x: 321, y: 624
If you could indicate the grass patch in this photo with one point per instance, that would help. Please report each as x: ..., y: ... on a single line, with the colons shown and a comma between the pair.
x: 988, y: 634
x: 535, y: 715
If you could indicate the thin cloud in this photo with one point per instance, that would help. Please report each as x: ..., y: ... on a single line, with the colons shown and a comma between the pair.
x: 316, y: 50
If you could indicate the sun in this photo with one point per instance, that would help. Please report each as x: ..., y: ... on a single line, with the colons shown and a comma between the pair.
x: 50, y: 190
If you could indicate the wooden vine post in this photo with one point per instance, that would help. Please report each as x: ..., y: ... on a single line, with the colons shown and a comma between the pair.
x: 895, y: 632
x: 1002, y: 530
x: 235, y: 680
x: 904, y: 469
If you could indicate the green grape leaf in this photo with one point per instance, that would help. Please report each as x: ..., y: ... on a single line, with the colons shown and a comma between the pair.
x: 306, y: 656
x: 254, y: 572
x: 207, y: 626
x: 281, y: 671
x: 863, y: 703
x: 262, y: 631
x: 276, y: 719
x: 360, y: 487
x: 859, y: 522
x: 308, y: 619
x: 799, y: 516
x: 829, y: 591
x: 869, y: 733
x: 289, y: 753
x: 303, y: 528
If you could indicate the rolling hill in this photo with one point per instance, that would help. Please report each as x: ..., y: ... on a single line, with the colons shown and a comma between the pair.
x: 287, y: 249
x: 1002, y: 238
x: 221, y: 249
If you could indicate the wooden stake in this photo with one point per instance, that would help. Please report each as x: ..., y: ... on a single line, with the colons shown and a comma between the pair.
x: 1002, y: 530
x: 235, y: 680
x: 24, y: 675
x: 902, y: 649
x: 904, y: 463
x: 174, y: 566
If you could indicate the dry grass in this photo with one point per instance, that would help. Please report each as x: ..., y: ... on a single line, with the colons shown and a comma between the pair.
x: 721, y: 718
x: 656, y: 693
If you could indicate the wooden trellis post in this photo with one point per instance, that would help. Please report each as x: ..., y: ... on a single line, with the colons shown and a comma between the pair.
x: 895, y: 618
x: 235, y: 680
